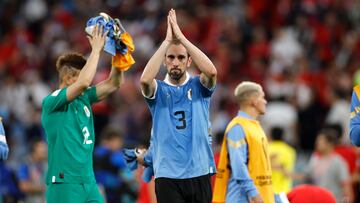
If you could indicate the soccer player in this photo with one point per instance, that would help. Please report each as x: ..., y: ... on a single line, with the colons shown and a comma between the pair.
x: 355, y: 117
x: 69, y: 125
x: 4, y: 149
x: 181, y: 141
x: 245, y: 150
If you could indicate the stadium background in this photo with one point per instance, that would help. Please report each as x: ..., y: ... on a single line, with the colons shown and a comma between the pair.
x: 305, y: 53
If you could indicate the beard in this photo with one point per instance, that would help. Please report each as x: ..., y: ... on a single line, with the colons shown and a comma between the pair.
x: 176, y: 74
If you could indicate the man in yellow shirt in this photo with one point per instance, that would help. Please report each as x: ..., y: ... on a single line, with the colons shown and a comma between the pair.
x: 244, y: 170
x: 282, y: 158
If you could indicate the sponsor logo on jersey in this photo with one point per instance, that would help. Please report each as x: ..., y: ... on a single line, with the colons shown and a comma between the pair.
x: 189, y: 94
x: 87, y: 112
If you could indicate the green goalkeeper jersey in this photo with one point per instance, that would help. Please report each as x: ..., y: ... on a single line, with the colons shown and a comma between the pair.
x: 69, y: 128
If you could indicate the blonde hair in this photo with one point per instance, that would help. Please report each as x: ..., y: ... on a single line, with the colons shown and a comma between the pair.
x: 245, y: 90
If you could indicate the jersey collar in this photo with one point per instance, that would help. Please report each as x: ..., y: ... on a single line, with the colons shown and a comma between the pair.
x: 245, y: 115
x: 167, y: 79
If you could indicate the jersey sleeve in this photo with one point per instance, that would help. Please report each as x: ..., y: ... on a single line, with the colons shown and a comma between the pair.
x: 238, y: 152
x: 355, y: 117
x: 55, y: 100
x: 205, y: 92
x: 152, y: 100
x: 90, y: 93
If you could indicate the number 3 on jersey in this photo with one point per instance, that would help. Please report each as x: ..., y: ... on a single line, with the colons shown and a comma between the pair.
x: 181, y: 118
x: 86, y: 136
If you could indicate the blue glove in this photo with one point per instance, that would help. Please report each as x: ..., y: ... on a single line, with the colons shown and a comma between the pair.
x: 130, y: 158
x: 148, y: 174
x: 132, y: 163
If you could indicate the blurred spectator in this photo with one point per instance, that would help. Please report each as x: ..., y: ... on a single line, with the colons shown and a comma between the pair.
x: 9, y: 191
x: 347, y: 152
x: 356, y: 176
x: 340, y: 104
x: 31, y: 174
x: 285, y: 51
x: 282, y: 114
x: 327, y: 169
x: 110, y: 168
x: 283, y: 158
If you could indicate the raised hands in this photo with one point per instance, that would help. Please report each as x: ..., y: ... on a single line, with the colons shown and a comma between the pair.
x: 97, y: 40
x: 173, y: 30
x: 169, y: 32
x: 175, y: 27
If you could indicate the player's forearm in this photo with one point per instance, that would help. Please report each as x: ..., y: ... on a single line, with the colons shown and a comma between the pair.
x: 29, y: 188
x: 116, y: 77
x: 238, y: 156
x: 200, y: 59
x: 153, y: 66
x: 87, y: 73
x: 109, y: 85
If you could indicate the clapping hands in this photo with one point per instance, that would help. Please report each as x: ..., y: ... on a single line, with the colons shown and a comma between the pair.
x: 173, y: 29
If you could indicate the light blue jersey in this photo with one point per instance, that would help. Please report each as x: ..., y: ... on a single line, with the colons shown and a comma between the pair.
x: 355, y: 117
x: 240, y: 186
x: 181, y: 140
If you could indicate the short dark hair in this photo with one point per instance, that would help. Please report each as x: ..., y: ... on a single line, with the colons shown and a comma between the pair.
x: 110, y: 133
x: 277, y: 133
x: 330, y: 135
x: 335, y: 126
x: 34, y: 143
x: 70, y: 60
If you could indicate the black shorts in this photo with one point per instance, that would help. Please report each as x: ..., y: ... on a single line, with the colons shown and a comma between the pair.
x: 191, y: 190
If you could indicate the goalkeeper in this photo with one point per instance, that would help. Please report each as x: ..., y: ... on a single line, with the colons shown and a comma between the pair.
x: 4, y: 150
x: 68, y: 122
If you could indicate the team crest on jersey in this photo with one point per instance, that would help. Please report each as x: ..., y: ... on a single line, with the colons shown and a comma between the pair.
x: 87, y: 112
x: 189, y: 94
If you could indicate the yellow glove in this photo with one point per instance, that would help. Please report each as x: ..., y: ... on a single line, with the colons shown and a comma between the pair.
x: 124, y: 62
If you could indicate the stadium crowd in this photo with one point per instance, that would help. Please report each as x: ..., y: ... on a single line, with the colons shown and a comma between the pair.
x: 305, y: 53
